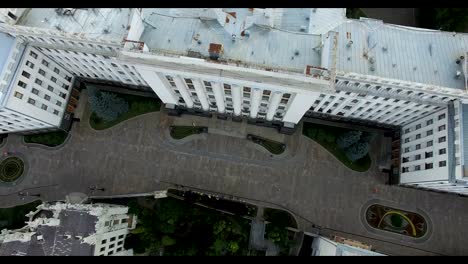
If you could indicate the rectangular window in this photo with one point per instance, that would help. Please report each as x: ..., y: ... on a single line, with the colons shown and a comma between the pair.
x: 42, y: 72
x: 53, y: 79
x: 428, y: 166
x: 44, y: 107
x: 428, y: 155
x: 30, y: 64
x: 33, y: 54
x: 418, y: 126
x: 442, y: 116
x: 26, y: 74
x: 44, y: 62
x: 442, y: 151
x: 418, y: 136
x: 38, y: 81
x: 56, y: 70
x: 407, y: 131
x: 407, y: 149
x: 442, y: 163
x: 442, y: 127
x: 19, y: 95
x: 58, y: 103
x: 50, y: 88
x: 47, y: 97
x: 113, y: 238
x: 407, y: 140
x: 429, y: 132
x: 56, y: 112
x: 31, y: 101
x: 442, y: 139
x: 21, y: 84
x: 418, y: 146
x: 207, y: 83
x: 122, y: 236
x: 417, y: 157
x: 417, y: 167
x: 35, y: 91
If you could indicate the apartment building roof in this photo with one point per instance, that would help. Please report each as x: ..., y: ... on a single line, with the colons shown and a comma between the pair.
x: 7, y: 42
x: 246, y: 36
x: 371, y: 47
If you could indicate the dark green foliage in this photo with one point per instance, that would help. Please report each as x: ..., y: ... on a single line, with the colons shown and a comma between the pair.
x: 180, y: 132
x: 14, y: 217
x: 362, y: 164
x: 107, y: 106
x: 355, y: 13
x: 347, y: 139
x: 279, y: 217
x: 447, y: 19
x: 357, y: 151
x: 138, y: 105
x: 51, y: 139
x: 367, y: 137
x: 180, y: 228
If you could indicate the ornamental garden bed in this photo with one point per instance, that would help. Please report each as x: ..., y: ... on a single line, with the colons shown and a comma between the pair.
x: 396, y: 221
x: 329, y: 137
x: 50, y: 139
x: 180, y: 132
x: 113, y: 108
x: 11, y: 169
x: 273, y: 147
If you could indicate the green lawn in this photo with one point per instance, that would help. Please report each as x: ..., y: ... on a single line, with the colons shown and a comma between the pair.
x: 14, y: 217
x: 279, y: 217
x: 138, y: 105
x: 50, y: 139
x: 179, y: 132
x: 327, y: 140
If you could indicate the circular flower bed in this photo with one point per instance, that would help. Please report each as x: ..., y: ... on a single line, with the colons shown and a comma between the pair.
x: 11, y: 169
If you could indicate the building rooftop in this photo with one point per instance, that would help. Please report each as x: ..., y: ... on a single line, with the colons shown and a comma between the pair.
x: 7, y: 42
x: 255, y: 42
x: 56, y: 238
x: 403, y: 53
x: 105, y: 23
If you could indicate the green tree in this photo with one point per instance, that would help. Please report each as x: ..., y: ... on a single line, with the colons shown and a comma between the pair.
x: 347, y: 139
x: 107, y: 106
x: 357, y: 150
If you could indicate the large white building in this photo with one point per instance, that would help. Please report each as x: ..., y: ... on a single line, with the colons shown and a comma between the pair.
x: 64, y: 229
x: 274, y: 66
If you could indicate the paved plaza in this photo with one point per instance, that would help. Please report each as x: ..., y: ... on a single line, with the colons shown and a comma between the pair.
x: 138, y: 156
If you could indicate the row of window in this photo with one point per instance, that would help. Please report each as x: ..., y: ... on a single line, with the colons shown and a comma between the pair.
x: 428, y: 123
x: 427, y: 155
x: 428, y: 144
x: 428, y: 133
x: 427, y: 166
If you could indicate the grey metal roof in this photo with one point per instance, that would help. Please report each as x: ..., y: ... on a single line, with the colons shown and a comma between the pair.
x: 7, y: 43
x: 265, y: 46
x: 411, y: 54
x: 92, y: 21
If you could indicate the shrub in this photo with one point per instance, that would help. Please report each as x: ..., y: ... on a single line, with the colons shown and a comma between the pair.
x: 347, y: 139
x: 330, y: 138
x: 357, y: 150
x: 107, y: 106
x: 321, y: 135
x: 312, y: 132
x: 367, y: 137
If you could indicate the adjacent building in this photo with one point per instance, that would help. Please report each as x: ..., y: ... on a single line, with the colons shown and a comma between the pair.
x: 271, y: 66
x: 63, y: 229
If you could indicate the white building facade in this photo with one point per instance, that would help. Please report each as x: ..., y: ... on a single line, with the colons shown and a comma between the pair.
x: 271, y: 66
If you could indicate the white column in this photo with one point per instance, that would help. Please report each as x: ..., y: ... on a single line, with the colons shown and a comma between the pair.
x: 255, y: 102
x: 159, y: 86
x: 275, y: 100
x: 181, y: 86
x: 236, y: 98
x: 219, y: 96
x: 299, y: 106
x: 201, y: 94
